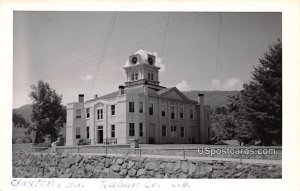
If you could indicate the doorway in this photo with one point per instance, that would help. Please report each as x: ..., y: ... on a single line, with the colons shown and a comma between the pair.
x: 100, y: 134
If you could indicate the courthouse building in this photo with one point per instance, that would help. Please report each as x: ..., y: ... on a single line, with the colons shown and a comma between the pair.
x: 140, y: 109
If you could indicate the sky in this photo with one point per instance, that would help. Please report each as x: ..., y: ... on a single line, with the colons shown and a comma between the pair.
x: 85, y: 52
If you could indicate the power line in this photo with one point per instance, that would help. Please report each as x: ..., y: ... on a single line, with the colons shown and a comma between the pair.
x: 165, y: 35
x: 218, y: 48
x: 110, y: 29
x: 172, y: 28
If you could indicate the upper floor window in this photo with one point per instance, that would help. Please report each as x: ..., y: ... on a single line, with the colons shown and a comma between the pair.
x: 141, y: 107
x: 136, y: 76
x: 132, y: 77
x: 181, y: 112
x: 191, y: 113
x: 99, y: 113
x: 163, y: 110
x: 78, y: 113
x: 173, y: 111
x: 113, y: 131
x: 151, y: 109
x: 87, y: 113
x: 113, y: 109
x: 152, y: 76
x: 131, y: 107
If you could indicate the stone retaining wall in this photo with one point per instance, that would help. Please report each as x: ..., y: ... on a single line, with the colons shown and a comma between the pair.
x: 95, y: 166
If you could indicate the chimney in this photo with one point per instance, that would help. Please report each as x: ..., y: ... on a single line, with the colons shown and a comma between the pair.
x: 203, y: 130
x: 201, y: 98
x: 121, y: 90
x: 95, y: 96
x: 81, y: 98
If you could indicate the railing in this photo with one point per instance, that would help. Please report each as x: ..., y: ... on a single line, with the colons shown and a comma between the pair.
x: 275, y: 153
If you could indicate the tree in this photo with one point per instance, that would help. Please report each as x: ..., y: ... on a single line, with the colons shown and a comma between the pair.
x: 258, y: 109
x: 48, y: 114
x: 19, y: 121
x: 263, y: 96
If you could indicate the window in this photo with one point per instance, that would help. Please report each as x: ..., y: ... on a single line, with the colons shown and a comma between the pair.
x: 191, y: 113
x: 181, y: 131
x: 87, y: 113
x: 173, y: 111
x: 99, y: 114
x: 173, y: 131
x: 113, y: 131
x: 149, y: 75
x: 77, y: 132
x: 163, y: 110
x: 181, y: 112
x: 78, y: 113
x: 113, y: 109
x: 141, y: 107
x: 151, y: 109
x: 131, y: 107
x: 87, y: 132
x: 152, y: 76
x: 141, y: 130
x: 131, y: 129
x: 164, y: 131
x: 136, y: 76
x: 132, y: 77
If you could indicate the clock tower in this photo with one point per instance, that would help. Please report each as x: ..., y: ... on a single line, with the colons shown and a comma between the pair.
x: 141, y: 68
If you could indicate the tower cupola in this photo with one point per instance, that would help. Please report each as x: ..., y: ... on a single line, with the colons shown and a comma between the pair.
x: 141, y: 68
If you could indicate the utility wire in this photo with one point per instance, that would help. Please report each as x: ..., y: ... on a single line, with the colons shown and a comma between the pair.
x: 165, y: 36
x: 218, y: 48
x: 106, y: 42
x: 171, y: 29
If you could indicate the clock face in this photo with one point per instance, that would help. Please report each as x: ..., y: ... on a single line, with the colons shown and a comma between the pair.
x: 134, y: 60
x: 150, y: 60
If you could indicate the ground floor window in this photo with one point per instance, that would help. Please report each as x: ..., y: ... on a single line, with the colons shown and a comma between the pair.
x: 113, y: 131
x: 77, y: 132
x: 131, y: 129
x: 181, y: 131
x: 164, y: 131
x: 87, y: 132
x: 173, y: 131
x: 141, y: 130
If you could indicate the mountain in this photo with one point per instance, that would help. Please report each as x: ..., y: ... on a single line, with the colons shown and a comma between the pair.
x: 25, y: 111
x: 211, y: 98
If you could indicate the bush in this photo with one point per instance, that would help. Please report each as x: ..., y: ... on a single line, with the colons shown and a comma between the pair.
x: 84, y: 142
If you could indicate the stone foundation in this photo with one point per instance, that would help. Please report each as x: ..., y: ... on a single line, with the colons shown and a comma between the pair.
x: 65, y: 165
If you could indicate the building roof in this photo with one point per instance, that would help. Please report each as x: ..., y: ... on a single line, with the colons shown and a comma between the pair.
x: 107, y: 96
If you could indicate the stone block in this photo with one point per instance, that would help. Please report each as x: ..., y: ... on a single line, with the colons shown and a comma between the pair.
x: 185, y: 167
x: 132, y: 172
x: 130, y: 165
x: 141, y: 172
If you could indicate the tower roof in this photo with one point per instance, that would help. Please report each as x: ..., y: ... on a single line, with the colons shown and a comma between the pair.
x: 143, y: 57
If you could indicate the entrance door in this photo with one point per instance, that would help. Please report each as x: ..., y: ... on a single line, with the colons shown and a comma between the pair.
x: 100, y: 134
